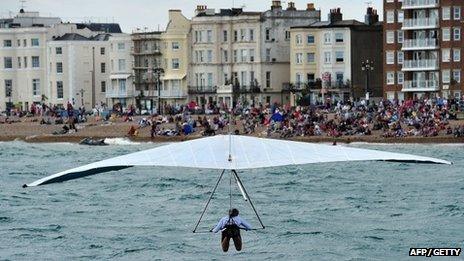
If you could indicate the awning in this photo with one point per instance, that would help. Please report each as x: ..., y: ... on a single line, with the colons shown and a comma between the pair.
x: 171, y: 76
x: 120, y: 76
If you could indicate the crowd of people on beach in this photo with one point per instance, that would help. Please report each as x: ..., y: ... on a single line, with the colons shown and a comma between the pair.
x: 419, y: 117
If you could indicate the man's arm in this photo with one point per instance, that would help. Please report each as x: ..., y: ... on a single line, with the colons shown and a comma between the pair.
x: 219, y: 226
x: 245, y: 224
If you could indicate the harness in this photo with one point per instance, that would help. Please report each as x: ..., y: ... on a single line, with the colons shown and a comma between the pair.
x: 231, y: 229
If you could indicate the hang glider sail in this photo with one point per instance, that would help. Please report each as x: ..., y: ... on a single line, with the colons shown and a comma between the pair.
x: 233, y: 152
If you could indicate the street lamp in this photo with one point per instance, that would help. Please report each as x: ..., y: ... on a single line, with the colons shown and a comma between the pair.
x: 367, y: 66
x: 158, y: 72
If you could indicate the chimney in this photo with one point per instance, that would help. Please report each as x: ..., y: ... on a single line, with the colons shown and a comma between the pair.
x: 291, y: 6
x: 371, y: 16
x: 276, y: 5
x: 310, y: 7
x: 200, y: 9
x: 335, y: 15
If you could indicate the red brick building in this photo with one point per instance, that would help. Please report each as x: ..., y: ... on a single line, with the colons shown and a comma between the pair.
x: 423, y: 42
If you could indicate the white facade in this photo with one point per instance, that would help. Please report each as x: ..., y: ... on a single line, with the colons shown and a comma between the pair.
x: 120, y: 88
x: 84, y: 74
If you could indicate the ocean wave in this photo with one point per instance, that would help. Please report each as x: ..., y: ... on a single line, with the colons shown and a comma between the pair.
x: 120, y: 141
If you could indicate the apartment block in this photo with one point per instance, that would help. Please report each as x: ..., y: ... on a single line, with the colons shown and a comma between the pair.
x: 423, y: 45
x: 327, y: 59
x: 242, y: 57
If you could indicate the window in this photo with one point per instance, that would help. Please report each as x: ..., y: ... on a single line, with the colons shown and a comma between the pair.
x: 175, y: 46
x: 287, y: 35
x: 327, y: 57
x: 457, y: 13
x: 268, y: 79
x: 400, y: 16
x: 25, y: 43
x: 175, y: 64
x: 210, y: 80
x: 457, y: 76
x: 446, y: 12
x: 339, y: 77
x: 268, y: 54
x: 390, y: 17
x: 103, y: 67
x: 445, y: 75
x: 457, y: 33
x: 446, y: 34
x: 298, y: 39
x: 209, y: 56
x: 235, y: 35
x: 121, y: 65
x: 121, y: 46
x: 298, y: 79
x: 310, y: 39
x: 8, y: 63
x: 243, y: 78
x: 400, y: 76
x: 224, y: 35
x: 400, y: 36
x: 339, y: 57
x: 7, y: 43
x: 242, y: 35
x: 209, y: 36
x: 327, y: 38
x: 299, y: 58
x: 268, y: 34
x: 235, y: 56
x: 390, y: 37
x: 225, y: 56
x: 102, y: 50
x: 59, y: 67
x: 445, y: 55
x: 34, y: 42
x: 122, y: 85
x: 59, y: 50
x: 103, y: 86
x: 8, y: 88
x: 35, y: 87
x: 400, y: 57
x: 390, y: 78
x: 226, y: 79
x: 311, y: 77
x: 35, y: 62
x: 390, y: 57
x: 251, y: 35
x: 310, y: 58
x: 59, y: 90
x: 252, y: 55
x: 252, y: 76
x: 19, y: 62
x: 197, y: 37
x: 243, y: 55
x: 339, y: 37
x: 456, y: 55
x: 25, y: 62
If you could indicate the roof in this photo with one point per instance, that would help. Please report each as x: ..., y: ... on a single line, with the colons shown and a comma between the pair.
x: 101, y: 27
x: 228, y: 12
x: 78, y: 37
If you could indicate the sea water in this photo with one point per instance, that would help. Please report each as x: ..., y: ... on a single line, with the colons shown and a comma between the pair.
x: 337, y: 211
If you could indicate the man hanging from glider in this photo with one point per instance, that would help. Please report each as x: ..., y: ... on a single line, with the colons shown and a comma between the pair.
x: 230, y: 226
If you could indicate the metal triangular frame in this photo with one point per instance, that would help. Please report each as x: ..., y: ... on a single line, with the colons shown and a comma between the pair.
x: 242, y: 189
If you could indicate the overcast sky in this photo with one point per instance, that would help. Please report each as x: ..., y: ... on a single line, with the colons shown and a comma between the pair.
x: 131, y: 14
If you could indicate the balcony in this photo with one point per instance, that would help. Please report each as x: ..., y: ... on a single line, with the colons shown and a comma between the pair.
x: 420, y: 65
x: 117, y: 93
x: 421, y: 86
x: 420, y: 44
x: 420, y: 23
x: 173, y: 94
x: 202, y: 90
x: 420, y: 4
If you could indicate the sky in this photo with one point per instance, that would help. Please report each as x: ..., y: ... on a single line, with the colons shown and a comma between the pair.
x: 153, y: 14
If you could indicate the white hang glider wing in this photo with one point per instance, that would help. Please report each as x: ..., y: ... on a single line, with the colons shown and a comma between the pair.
x: 233, y: 152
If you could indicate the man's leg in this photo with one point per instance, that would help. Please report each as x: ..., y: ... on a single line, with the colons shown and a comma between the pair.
x: 238, y: 242
x: 225, y: 242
